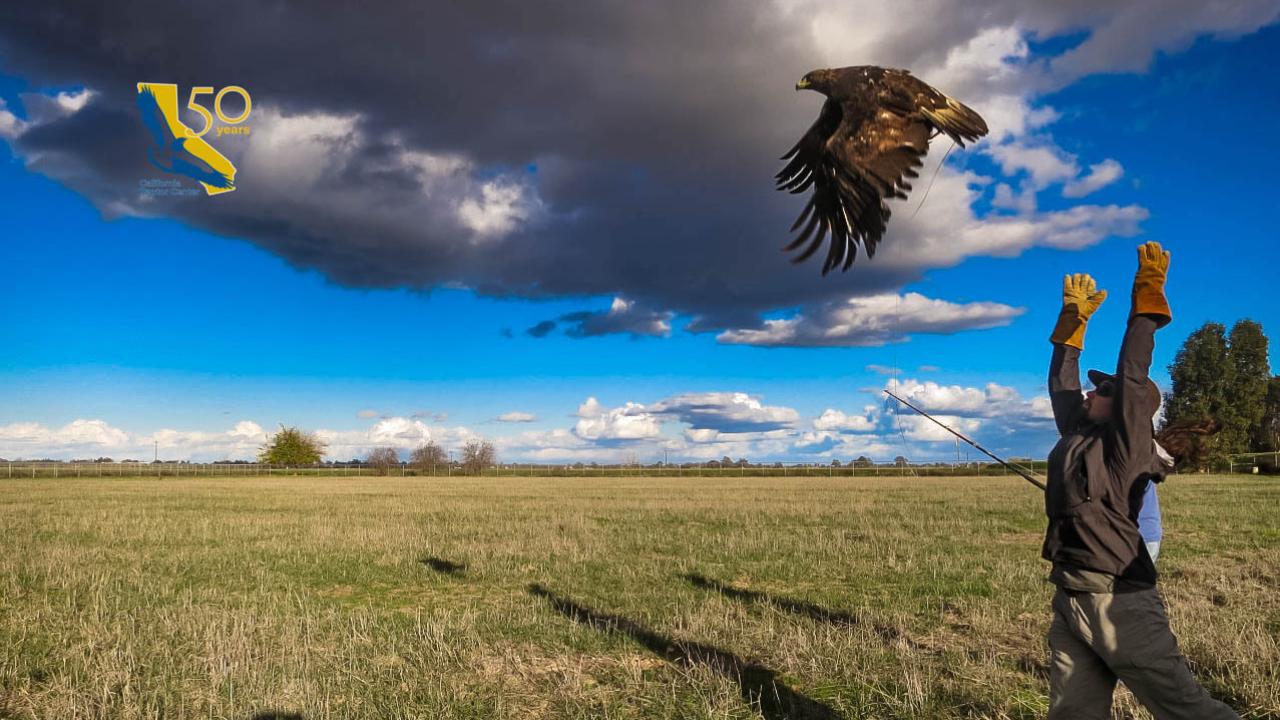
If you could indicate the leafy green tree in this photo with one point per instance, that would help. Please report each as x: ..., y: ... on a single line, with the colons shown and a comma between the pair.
x: 1201, y: 373
x: 1225, y: 377
x: 1247, y: 396
x: 291, y: 446
x: 1270, y: 432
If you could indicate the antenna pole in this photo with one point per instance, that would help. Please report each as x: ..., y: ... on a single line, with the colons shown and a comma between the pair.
x: 1020, y: 472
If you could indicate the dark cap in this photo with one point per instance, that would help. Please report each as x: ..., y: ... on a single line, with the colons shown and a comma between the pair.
x: 1097, y: 377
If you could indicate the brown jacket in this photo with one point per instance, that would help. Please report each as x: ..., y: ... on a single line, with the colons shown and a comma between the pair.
x: 1099, y: 471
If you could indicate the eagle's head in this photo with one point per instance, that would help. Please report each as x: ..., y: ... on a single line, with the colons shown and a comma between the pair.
x: 819, y: 80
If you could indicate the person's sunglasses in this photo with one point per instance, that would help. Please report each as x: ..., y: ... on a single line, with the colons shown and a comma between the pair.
x: 1105, y: 389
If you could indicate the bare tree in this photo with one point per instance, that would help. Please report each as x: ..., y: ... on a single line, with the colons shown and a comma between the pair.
x: 383, y: 459
x: 427, y: 457
x: 477, y: 455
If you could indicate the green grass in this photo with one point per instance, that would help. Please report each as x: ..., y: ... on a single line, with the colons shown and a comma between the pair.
x: 581, y: 598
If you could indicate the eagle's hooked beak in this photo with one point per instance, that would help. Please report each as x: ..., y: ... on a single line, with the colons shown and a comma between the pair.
x: 803, y: 83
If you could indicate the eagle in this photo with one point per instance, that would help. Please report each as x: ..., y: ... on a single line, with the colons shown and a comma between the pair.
x: 872, y: 134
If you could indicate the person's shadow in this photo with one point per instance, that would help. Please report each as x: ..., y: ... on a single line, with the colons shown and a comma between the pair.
x: 759, y: 685
x: 276, y: 715
x: 886, y: 633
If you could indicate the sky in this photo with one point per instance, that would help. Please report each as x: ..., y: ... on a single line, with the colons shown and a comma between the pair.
x: 554, y: 226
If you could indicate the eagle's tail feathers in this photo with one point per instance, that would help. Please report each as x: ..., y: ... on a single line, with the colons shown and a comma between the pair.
x: 957, y: 120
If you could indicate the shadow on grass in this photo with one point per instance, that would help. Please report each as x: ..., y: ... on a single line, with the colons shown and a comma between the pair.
x: 444, y: 567
x: 887, y: 633
x: 277, y: 715
x: 1033, y: 665
x: 759, y: 685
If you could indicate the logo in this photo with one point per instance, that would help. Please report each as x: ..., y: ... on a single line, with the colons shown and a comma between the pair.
x: 178, y: 149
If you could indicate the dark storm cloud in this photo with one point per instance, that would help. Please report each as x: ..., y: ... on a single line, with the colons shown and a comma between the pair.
x: 623, y: 316
x: 541, y: 329
x: 521, y: 149
x: 617, y: 108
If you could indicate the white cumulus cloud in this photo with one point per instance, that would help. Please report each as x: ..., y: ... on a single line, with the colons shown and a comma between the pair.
x: 628, y: 422
x: 1100, y: 175
x: 873, y: 321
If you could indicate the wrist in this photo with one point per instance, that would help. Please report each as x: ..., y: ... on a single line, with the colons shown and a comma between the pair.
x: 1070, y: 328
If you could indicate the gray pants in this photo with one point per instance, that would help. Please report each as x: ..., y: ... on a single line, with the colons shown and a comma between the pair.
x: 1097, y: 638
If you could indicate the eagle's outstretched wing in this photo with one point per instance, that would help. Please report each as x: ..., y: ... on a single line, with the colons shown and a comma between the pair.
x: 812, y: 166
x: 852, y: 166
x: 906, y: 94
x: 884, y: 152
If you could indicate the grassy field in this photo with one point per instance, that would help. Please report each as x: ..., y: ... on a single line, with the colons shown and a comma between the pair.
x: 282, y: 598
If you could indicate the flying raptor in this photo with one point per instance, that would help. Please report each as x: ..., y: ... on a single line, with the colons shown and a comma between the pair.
x: 872, y: 134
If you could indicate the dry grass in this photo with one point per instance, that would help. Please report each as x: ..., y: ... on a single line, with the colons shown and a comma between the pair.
x: 584, y: 598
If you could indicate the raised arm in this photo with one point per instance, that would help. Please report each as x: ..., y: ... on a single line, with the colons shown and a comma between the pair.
x: 1064, y: 387
x: 1136, y: 398
x: 1080, y: 299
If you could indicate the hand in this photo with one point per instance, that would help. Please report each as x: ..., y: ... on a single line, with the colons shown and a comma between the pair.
x: 1153, y: 263
x: 1148, y: 283
x: 1081, y: 292
x: 1080, y: 299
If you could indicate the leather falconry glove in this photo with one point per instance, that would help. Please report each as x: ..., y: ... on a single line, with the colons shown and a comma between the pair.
x: 1148, y: 284
x: 1080, y: 299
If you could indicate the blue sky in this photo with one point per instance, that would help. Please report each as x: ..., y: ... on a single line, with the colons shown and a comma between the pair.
x: 125, y: 330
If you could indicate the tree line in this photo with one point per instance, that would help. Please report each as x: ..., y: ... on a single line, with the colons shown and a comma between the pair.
x: 294, y: 446
x: 1223, y: 400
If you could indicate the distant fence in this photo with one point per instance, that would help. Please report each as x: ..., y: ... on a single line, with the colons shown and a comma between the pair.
x: 1254, y: 463
x: 20, y: 469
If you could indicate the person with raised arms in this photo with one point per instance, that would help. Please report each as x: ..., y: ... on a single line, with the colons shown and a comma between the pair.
x: 1109, y: 621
